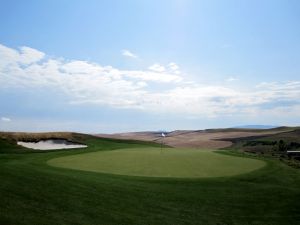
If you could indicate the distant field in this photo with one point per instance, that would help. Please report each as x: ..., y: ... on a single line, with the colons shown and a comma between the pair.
x: 152, y: 162
x: 210, y: 139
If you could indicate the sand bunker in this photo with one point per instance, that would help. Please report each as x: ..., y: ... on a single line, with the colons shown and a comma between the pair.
x: 51, y: 144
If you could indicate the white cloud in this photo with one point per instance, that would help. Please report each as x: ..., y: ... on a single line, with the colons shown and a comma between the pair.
x: 142, y: 84
x: 129, y: 54
x: 158, y: 89
x: 157, y: 68
x: 5, y: 119
x: 147, y: 75
x: 231, y: 79
x: 174, y: 68
x: 26, y: 55
x: 30, y: 55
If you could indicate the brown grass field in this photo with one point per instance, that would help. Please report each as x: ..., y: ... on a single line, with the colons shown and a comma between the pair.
x: 209, y: 139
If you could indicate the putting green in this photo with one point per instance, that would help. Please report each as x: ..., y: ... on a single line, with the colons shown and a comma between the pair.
x: 151, y: 162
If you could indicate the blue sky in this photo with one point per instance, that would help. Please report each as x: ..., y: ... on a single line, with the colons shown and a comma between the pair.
x: 113, y: 66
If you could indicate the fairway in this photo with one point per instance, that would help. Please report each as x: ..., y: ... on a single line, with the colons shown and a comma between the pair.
x: 152, y: 162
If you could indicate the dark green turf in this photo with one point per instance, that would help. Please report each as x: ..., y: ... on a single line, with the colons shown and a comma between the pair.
x: 33, y: 192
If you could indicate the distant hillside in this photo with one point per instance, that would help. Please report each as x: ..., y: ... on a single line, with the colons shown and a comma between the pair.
x: 210, y: 138
x: 276, y: 145
x: 256, y: 126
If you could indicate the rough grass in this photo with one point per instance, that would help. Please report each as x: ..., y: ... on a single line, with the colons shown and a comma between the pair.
x: 33, y: 192
x: 154, y: 162
x: 23, y: 136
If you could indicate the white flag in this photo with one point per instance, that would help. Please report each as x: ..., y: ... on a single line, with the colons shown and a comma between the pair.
x: 163, y: 135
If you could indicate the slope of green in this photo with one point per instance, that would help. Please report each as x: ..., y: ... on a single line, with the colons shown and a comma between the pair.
x: 10, y: 146
x: 152, y: 162
x: 33, y: 192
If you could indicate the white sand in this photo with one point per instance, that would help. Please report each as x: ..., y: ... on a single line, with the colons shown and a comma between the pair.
x: 51, y: 144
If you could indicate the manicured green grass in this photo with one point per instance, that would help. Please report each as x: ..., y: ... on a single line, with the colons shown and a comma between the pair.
x: 32, y: 192
x: 154, y: 162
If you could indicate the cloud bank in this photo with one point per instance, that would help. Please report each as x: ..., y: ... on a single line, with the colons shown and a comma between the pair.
x: 157, y: 89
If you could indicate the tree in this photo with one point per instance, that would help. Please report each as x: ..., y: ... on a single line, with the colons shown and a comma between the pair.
x: 281, y: 146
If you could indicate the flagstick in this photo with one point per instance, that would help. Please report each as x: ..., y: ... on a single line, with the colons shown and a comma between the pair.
x: 162, y: 140
x: 161, y: 143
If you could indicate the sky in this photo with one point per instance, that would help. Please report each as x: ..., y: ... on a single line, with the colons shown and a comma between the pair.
x: 123, y: 65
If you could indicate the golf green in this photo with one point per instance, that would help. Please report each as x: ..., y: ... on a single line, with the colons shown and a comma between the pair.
x: 152, y: 162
